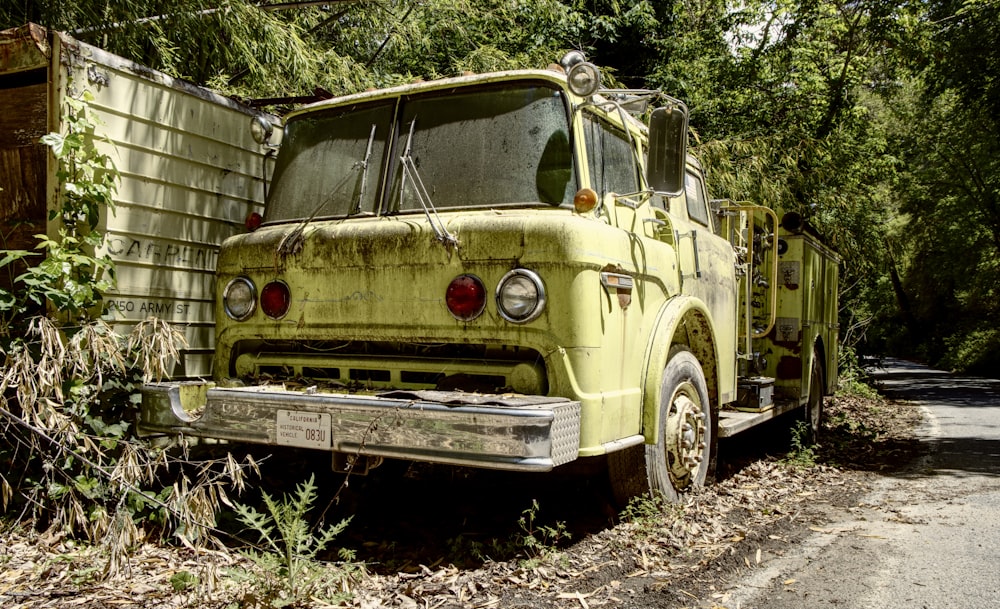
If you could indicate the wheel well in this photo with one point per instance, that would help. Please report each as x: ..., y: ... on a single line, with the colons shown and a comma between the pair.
x: 695, y: 332
x: 682, y: 322
x: 819, y: 351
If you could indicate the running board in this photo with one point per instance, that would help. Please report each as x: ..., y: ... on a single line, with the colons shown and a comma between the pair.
x: 733, y: 422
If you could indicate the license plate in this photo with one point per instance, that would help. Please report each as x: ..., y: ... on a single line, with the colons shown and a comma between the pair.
x: 303, y: 429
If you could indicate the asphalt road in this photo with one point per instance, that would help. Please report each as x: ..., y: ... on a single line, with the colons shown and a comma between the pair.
x: 928, y: 537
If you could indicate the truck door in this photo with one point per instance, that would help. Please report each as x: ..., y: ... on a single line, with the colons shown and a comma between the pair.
x: 612, y: 163
x: 706, y: 266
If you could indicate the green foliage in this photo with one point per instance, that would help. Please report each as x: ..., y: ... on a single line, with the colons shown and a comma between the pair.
x: 977, y: 351
x: 853, y: 378
x: 650, y: 512
x: 69, y: 457
x: 69, y: 275
x: 802, y: 452
x: 287, y: 570
x: 183, y: 581
x: 539, y: 541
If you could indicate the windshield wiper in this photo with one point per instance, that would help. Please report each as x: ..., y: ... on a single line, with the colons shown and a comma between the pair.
x: 291, y: 243
x: 423, y: 197
x: 364, y: 173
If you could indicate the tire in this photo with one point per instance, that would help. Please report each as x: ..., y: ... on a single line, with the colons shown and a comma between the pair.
x: 813, y: 413
x: 683, y: 456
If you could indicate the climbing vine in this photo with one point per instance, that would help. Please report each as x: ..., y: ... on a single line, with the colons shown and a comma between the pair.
x: 70, y: 460
x: 67, y: 273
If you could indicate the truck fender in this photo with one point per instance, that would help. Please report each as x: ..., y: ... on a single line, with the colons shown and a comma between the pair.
x: 681, y: 320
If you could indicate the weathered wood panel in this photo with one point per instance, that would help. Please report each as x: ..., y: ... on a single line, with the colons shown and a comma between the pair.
x: 22, y: 164
x: 190, y: 175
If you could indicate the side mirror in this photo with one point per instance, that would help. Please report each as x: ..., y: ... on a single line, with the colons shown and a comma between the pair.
x: 668, y: 128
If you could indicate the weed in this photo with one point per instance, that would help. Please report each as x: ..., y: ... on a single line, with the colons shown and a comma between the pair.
x: 649, y: 512
x: 853, y: 379
x: 481, y: 551
x: 287, y: 570
x: 539, y: 541
x: 803, y: 452
x: 183, y: 581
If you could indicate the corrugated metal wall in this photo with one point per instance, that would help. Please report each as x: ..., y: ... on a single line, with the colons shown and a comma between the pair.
x: 190, y: 174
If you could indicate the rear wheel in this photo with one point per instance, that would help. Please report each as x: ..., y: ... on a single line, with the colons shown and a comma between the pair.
x: 813, y: 414
x: 682, y: 457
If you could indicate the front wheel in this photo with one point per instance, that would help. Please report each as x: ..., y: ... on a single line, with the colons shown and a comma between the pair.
x: 683, y: 456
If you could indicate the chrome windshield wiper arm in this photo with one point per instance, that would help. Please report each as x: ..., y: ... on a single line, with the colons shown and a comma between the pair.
x: 291, y: 243
x: 423, y: 197
x: 364, y: 173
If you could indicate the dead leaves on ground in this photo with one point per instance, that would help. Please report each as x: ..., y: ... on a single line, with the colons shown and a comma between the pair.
x: 726, y: 521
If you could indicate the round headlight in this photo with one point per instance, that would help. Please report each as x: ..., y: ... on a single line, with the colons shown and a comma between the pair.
x: 520, y: 296
x: 239, y: 298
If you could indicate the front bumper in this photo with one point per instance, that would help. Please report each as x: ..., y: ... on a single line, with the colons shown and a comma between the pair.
x: 520, y: 433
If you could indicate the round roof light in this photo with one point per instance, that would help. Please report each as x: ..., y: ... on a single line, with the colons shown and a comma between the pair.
x: 260, y: 130
x: 571, y: 59
x: 253, y: 221
x: 584, y: 79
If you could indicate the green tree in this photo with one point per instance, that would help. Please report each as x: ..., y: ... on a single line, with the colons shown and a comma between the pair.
x: 946, y: 129
x: 876, y: 121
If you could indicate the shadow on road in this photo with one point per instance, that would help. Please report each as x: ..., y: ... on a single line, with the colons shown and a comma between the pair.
x: 901, y: 380
x: 962, y: 435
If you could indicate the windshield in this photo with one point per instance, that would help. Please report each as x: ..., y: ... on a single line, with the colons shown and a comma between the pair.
x: 321, y: 168
x: 487, y: 147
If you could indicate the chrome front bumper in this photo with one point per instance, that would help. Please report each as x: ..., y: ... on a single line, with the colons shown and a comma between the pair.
x: 521, y: 433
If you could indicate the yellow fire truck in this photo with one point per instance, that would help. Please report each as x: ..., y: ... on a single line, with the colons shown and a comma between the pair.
x: 514, y: 271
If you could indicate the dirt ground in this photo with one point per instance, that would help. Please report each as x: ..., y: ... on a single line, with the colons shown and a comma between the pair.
x: 446, y: 539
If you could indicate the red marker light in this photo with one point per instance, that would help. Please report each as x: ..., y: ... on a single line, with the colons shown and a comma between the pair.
x: 253, y: 221
x: 275, y: 299
x: 466, y: 297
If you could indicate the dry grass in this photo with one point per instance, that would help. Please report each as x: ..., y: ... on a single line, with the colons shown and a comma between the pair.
x: 74, y: 466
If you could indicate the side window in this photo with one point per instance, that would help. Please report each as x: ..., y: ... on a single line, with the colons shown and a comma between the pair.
x: 697, y: 202
x: 610, y: 158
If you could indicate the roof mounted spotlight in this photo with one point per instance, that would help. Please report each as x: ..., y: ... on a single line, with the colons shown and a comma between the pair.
x: 571, y: 59
x: 584, y: 78
x: 261, y: 130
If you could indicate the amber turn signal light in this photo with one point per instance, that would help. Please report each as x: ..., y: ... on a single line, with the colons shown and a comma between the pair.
x: 584, y: 200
